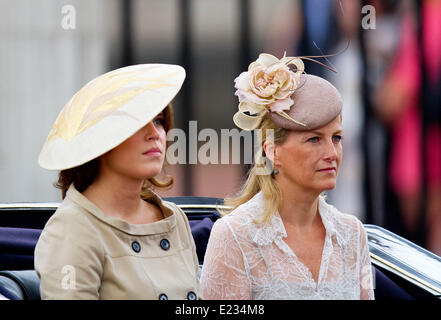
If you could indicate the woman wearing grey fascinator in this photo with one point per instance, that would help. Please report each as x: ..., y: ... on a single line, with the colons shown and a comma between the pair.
x: 281, y: 240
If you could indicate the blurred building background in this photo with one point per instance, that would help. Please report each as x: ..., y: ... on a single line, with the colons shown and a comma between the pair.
x: 389, y: 78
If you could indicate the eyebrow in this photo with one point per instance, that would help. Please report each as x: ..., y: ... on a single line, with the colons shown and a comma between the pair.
x: 321, y: 133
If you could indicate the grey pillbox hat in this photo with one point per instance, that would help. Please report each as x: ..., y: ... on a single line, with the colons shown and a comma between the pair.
x: 316, y: 103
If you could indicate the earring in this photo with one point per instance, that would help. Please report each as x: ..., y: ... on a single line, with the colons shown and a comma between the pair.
x: 275, y: 172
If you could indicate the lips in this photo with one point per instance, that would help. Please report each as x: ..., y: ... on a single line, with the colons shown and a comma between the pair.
x: 153, y: 152
x: 330, y: 169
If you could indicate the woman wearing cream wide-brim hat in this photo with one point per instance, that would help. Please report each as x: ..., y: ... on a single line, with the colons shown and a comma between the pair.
x: 112, y: 237
x: 281, y: 240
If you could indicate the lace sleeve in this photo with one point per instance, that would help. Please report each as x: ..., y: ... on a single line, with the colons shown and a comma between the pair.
x: 366, y: 277
x: 224, y: 273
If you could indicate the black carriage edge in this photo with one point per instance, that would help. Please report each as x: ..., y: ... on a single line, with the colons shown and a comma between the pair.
x: 402, y: 270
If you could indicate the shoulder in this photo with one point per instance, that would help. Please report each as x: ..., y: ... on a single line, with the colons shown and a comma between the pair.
x: 348, y: 226
x: 181, y: 217
x: 235, y: 220
x: 343, y: 218
x: 70, y: 237
x: 69, y: 218
x: 167, y: 207
x: 69, y: 226
x: 247, y: 211
x: 235, y: 224
x: 348, y: 221
x: 227, y: 235
x: 173, y: 206
x: 182, y: 224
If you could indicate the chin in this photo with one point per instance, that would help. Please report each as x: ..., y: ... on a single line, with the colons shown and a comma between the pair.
x: 147, y: 174
x: 150, y: 171
x: 331, y: 187
x: 327, y: 186
x: 151, y: 175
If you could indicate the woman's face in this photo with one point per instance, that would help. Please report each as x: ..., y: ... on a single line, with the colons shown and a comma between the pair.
x: 142, y: 155
x: 311, y: 159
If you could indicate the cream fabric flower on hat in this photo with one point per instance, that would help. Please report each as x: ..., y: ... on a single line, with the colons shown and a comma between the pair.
x: 292, y: 99
x: 266, y: 86
x: 108, y: 110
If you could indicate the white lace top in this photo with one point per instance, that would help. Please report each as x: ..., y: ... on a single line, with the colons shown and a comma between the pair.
x: 249, y: 261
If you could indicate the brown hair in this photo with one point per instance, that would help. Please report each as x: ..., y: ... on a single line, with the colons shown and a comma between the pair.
x: 84, y: 175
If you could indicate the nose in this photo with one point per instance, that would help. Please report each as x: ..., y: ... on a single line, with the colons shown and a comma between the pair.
x: 151, y: 132
x: 331, y: 151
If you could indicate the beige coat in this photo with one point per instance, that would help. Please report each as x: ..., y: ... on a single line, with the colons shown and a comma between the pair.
x: 83, y: 254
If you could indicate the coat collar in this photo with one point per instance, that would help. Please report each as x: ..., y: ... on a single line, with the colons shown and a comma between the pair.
x: 163, y: 226
x: 274, y: 230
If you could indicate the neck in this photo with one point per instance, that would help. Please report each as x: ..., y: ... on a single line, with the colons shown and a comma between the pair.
x: 299, y: 207
x: 116, y: 195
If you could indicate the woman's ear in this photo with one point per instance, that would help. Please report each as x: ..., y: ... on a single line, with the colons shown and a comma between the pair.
x: 272, y: 153
x: 270, y: 150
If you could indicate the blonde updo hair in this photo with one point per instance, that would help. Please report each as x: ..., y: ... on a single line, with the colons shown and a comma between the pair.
x: 257, y: 182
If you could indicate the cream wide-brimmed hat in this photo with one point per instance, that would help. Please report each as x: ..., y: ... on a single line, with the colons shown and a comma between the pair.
x: 108, y: 110
x: 279, y: 89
